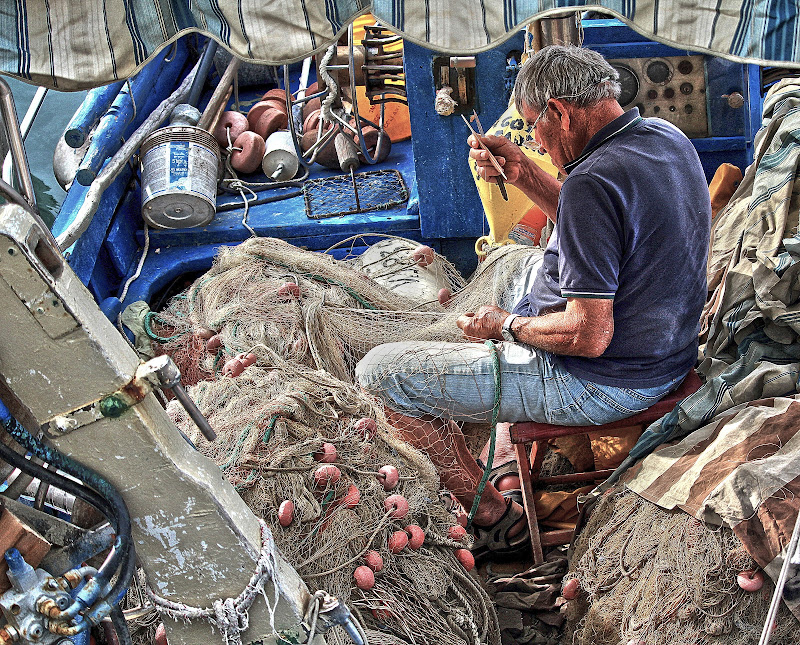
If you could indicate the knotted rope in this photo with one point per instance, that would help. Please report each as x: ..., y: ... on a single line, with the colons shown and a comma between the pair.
x: 230, y: 616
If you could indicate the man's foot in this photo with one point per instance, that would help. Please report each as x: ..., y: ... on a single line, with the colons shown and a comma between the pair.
x: 507, y: 537
x: 503, y: 476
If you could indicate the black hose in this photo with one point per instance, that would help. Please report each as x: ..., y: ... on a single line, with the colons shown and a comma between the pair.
x: 202, y: 72
x: 120, y: 626
x: 59, y: 481
x: 112, y: 504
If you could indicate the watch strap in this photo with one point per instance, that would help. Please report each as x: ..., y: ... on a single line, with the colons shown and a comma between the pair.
x: 507, y: 325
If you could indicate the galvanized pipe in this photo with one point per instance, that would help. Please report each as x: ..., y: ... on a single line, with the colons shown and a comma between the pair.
x: 9, y: 114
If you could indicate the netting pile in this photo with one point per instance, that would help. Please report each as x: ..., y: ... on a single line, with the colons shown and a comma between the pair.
x: 337, y: 316
x: 652, y: 576
x: 273, y: 422
x: 297, y: 322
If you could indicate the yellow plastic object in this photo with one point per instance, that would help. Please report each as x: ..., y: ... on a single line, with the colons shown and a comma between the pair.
x: 504, y: 215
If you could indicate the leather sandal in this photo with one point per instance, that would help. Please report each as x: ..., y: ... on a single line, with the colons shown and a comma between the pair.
x: 494, y: 542
x: 498, y: 472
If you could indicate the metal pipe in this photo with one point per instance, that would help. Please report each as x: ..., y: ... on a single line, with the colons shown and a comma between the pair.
x: 205, y: 65
x: 219, y: 93
x: 9, y: 114
x: 24, y: 129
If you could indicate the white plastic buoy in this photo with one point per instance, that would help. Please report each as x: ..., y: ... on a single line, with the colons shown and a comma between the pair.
x: 280, y: 160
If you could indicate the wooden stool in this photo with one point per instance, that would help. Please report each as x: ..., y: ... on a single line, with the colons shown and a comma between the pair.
x: 537, y: 434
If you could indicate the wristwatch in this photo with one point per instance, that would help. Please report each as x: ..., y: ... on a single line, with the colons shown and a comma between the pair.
x: 506, y: 332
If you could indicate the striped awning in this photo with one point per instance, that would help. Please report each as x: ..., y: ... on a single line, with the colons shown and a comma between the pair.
x: 73, y: 44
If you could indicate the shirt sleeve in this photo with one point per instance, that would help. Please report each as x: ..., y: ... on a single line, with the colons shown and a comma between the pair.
x: 590, y: 235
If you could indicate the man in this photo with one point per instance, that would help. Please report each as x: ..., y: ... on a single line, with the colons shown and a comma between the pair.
x: 610, y: 324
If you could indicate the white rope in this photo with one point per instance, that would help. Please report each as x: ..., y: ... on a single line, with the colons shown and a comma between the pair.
x: 230, y: 616
x: 139, y: 266
x: 238, y: 185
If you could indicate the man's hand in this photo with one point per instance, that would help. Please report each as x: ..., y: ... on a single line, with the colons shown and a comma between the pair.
x: 508, y: 155
x: 483, y: 324
x: 520, y: 170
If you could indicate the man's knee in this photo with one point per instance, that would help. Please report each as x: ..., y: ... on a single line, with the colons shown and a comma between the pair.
x: 372, y: 370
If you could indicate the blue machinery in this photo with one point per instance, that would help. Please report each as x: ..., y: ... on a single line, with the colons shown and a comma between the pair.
x: 717, y: 102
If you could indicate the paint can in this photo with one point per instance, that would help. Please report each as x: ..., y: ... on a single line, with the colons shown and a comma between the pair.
x: 180, y: 164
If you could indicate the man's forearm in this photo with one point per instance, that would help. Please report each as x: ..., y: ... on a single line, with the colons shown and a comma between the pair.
x: 570, y: 333
x: 540, y: 187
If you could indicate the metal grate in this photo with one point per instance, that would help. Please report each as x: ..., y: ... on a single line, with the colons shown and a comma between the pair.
x: 333, y: 196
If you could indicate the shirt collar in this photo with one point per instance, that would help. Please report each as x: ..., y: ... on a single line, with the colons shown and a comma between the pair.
x: 619, y: 125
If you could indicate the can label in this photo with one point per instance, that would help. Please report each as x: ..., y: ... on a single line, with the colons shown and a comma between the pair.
x: 179, y: 166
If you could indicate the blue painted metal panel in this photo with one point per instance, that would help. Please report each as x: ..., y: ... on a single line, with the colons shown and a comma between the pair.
x: 86, y: 250
x: 121, y: 239
x: 448, y: 200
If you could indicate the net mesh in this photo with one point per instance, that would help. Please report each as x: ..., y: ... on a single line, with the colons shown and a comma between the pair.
x: 339, y: 314
x: 660, y: 577
x: 374, y: 190
x: 272, y: 422
x: 305, y: 320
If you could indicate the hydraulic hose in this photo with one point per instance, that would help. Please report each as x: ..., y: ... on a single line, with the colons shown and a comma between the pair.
x: 112, y: 502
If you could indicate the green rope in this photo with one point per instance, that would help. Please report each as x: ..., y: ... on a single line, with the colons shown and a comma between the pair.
x: 493, y: 437
x: 148, y: 317
x: 220, y: 355
x: 246, y: 483
x: 243, y: 436
x: 268, y: 432
x: 237, y: 449
x: 264, y: 439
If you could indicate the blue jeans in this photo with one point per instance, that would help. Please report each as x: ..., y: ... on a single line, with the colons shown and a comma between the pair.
x: 457, y: 381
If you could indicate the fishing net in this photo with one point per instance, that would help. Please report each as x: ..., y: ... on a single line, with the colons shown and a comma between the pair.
x: 297, y: 323
x: 337, y: 315
x: 323, y: 313
x: 276, y: 423
x: 659, y: 577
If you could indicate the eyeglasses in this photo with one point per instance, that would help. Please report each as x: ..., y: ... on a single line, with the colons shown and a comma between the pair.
x: 533, y: 144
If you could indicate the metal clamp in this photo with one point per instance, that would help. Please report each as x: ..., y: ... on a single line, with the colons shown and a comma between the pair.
x: 160, y: 372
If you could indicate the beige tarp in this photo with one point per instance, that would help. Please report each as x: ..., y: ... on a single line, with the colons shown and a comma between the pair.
x: 72, y: 44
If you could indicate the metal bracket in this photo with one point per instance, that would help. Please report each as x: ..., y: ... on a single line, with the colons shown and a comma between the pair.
x: 160, y: 372
x: 457, y: 72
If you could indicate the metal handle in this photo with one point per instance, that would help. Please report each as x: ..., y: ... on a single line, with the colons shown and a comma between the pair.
x: 9, y: 114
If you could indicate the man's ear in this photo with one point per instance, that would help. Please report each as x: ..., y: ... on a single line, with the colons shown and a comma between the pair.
x: 561, y: 108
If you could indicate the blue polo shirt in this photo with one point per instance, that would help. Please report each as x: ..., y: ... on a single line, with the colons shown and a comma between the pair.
x: 633, y: 225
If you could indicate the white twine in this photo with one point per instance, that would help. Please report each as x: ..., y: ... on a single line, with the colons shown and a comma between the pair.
x: 444, y: 104
x: 230, y: 616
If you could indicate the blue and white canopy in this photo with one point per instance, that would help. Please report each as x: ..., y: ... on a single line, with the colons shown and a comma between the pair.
x: 72, y: 44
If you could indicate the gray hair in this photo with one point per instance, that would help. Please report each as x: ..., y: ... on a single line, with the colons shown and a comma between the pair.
x: 580, y: 76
